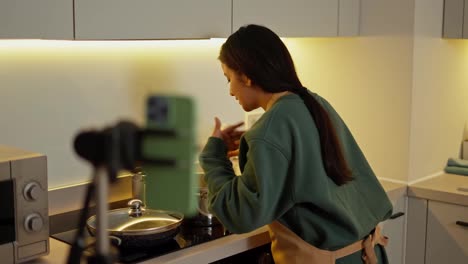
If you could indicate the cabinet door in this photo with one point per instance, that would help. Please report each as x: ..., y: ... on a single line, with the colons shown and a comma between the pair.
x: 349, y: 14
x: 39, y: 19
x: 465, y: 20
x: 416, y: 222
x: 394, y: 228
x: 293, y: 18
x: 447, y: 233
x: 300, y: 18
x: 453, y: 19
x: 455, y: 23
x: 152, y: 19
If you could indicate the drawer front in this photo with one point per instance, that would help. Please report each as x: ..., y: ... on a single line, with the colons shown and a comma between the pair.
x: 447, y: 233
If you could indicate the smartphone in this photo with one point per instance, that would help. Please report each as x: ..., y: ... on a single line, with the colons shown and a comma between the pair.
x: 170, y: 148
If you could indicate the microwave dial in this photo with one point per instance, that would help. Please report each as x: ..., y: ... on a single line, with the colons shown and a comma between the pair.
x: 33, y: 223
x: 32, y: 191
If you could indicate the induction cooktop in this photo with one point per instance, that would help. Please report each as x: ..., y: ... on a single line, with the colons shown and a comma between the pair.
x: 189, y: 234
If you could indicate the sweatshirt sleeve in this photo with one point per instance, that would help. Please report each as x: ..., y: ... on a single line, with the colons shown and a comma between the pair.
x: 257, y: 197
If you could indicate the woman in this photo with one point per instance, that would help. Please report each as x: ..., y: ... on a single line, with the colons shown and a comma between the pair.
x: 303, y: 173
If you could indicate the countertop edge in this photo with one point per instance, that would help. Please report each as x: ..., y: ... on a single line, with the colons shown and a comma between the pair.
x: 443, y: 188
x: 58, y: 253
x: 210, y: 251
x: 437, y: 195
x: 394, y: 190
x: 202, y: 253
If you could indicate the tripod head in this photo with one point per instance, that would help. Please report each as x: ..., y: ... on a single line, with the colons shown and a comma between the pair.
x: 115, y: 147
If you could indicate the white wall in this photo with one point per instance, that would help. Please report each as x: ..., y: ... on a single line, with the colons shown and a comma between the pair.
x: 51, y: 90
x: 440, y: 93
x: 368, y: 80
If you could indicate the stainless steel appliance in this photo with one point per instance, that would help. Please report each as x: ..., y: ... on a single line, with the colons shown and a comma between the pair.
x: 24, y: 220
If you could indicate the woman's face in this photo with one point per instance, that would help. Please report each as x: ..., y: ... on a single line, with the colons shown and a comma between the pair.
x: 240, y: 86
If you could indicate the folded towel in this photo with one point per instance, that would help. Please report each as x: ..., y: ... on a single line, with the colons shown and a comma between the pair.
x: 457, y: 162
x: 456, y: 170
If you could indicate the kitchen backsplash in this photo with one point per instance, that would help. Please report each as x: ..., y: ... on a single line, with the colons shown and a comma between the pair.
x: 53, y: 89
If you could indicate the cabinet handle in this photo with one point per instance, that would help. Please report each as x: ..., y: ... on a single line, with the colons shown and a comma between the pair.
x: 462, y: 223
x: 396, y: 215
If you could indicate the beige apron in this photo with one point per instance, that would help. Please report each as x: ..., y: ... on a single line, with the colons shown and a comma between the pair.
x: 287, y: 247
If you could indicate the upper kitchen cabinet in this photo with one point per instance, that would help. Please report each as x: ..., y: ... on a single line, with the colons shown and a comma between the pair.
x: 300, y: 18
x: 455, y: 22
x: 39, y: 19
x: 152, y: 19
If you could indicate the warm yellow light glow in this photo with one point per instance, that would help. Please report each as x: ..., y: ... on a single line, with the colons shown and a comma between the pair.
x: 40, y: 50
x: 33, y: 45
x: 465, y: 60
x: 26, y: 50
x: 37, y: 45
x: 218, y: 40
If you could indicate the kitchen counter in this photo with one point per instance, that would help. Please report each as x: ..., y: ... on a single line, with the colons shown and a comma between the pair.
x: 209, y: 251
x: 58, y: 253
x: 450, y: 188
x: 216, y: 249
x: 202, y: 253
x: 394, y: 190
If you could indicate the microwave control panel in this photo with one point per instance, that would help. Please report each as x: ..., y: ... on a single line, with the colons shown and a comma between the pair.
x: 23, y: 182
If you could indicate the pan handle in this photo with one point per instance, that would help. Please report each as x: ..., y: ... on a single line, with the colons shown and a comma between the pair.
x: 115, y: 241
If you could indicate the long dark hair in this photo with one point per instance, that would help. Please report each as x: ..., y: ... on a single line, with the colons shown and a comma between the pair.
x: 259, y: 53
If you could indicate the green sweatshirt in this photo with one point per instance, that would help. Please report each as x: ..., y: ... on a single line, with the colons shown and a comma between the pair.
x: 283, y: 179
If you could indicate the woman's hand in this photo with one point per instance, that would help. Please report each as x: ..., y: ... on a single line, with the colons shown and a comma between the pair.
x: 230, y: 135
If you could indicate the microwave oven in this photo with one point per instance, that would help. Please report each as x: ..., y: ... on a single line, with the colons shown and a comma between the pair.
x: 24, y: 216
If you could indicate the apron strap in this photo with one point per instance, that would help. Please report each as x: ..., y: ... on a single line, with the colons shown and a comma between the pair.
x: 367, y: 245
x: 287, y: 247
x: 368, y: 255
